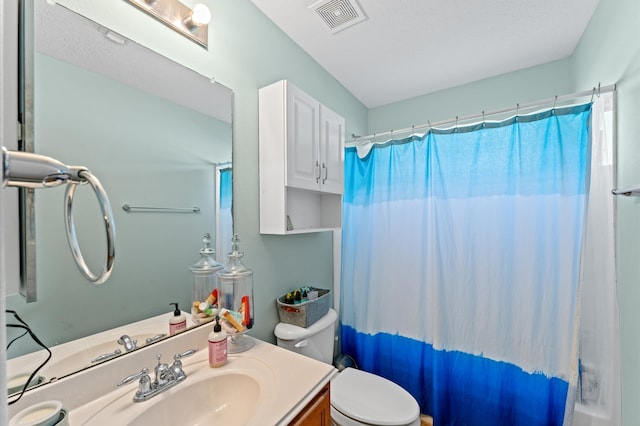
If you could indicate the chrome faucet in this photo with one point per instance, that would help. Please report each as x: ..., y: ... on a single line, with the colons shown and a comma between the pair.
x: 128, y: 344
x: 165, y: 377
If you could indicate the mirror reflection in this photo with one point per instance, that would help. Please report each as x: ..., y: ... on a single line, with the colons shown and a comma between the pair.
x: 158, y: 136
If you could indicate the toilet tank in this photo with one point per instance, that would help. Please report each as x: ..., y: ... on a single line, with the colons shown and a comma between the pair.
x: 315, y: 341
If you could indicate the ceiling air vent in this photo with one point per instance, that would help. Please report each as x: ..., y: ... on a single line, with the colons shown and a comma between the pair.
x: 339, y: 14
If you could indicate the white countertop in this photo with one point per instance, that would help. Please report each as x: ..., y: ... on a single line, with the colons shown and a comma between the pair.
x: 293, y: 380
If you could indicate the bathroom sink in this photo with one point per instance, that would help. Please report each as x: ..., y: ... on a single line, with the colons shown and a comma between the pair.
x: 240, y: 392
x: 226, y: 399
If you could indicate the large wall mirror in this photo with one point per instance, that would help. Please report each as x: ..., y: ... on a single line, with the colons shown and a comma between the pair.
x: 156, y: 135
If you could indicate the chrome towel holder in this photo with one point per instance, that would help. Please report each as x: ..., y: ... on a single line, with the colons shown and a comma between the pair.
x: 145, y: 209
x: 29, y: 170
x: 631, y: 191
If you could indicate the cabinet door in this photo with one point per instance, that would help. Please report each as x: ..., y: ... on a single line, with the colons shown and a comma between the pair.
x: 317, y: 412
x: 331, y: 151
x: 303, y: 137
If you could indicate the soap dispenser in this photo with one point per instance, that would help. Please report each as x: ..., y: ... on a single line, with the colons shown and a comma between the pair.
x: 177, y: 322
x: 204, y: 284
x: 217, y: 346
x: 235, y: 288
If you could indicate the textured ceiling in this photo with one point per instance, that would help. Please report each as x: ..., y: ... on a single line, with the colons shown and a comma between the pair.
x: 407, y: 48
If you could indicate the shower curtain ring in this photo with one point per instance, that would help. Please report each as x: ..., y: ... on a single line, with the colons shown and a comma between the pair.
x: 593, y: 94
x: 554, y: 102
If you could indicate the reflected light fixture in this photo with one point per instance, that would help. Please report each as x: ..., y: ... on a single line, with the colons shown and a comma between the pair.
x: 191, y: 23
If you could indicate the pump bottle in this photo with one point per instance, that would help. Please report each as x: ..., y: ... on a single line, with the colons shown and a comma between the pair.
x: 217, y: 345
x: 177, y: 322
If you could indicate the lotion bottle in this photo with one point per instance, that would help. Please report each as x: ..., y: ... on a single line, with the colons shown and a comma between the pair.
x: 177, y: 322
x: 217, y: 346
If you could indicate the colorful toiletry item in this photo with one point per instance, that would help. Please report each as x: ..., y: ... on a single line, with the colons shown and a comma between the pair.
x: 246, y: 312
x: 230, y: 318
x: 300, y: 295
x: 206, y: 310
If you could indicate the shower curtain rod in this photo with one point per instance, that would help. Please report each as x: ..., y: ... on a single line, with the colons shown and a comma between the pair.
x: 596, y: 91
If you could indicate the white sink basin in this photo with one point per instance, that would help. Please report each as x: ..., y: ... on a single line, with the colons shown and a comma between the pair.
x: 226, y: 399
x: 238, y: 393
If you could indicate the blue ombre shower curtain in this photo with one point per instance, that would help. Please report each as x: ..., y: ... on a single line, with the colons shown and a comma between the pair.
x: 224, y: 215
x: 460, y: 266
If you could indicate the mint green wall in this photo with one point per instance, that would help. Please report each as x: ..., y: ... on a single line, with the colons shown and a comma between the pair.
x: 608, y: 52
x: 247, y: 52
x: 491, y: 94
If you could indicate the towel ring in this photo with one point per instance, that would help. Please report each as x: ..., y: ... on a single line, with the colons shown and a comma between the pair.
x: 107, y: 215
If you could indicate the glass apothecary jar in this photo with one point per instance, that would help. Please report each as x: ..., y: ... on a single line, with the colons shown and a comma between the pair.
x: 204, y: 280
x: 235, y: 290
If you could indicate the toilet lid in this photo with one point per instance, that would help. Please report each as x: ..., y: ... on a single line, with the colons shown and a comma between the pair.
x: 372, y: 399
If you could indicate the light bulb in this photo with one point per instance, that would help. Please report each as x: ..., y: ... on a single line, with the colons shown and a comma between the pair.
x: 201, y: 15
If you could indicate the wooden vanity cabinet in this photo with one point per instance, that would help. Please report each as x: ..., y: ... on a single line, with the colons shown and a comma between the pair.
x: 301, y: 162
x: 317, y: 412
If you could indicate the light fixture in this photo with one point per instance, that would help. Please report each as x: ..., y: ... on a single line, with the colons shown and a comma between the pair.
x: 191, y: 23
x: 199, y: 16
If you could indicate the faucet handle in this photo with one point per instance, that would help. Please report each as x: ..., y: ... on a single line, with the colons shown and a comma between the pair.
x: 176, y: 367
x: 155, y: 338
x: 133, y: 377
x: 190, y: 352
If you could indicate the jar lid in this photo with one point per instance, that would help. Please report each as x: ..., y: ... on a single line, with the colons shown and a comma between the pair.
x: 235, y: 269
x: 206, y: 264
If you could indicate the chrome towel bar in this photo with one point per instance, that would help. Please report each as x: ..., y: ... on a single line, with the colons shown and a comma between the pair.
x: 142, y: 209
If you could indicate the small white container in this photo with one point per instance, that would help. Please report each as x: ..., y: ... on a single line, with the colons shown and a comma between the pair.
x: 45, y: 413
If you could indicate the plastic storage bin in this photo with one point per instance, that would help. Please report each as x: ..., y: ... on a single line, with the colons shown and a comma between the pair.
x: 305, y: 313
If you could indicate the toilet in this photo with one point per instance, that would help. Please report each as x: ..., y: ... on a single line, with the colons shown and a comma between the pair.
x: 357, y: 397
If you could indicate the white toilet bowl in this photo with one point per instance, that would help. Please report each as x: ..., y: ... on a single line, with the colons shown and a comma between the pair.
x: 361, y: 398
x: 357, y: 398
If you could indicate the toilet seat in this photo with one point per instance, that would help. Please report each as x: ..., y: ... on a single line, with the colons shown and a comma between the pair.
x: 366, y: 398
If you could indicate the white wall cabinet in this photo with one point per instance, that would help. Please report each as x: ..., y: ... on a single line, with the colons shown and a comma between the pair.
x: 301, y: 162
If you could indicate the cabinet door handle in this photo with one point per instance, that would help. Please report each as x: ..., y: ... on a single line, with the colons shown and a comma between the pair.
x: 318, y: 171
x: 326, y: 173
